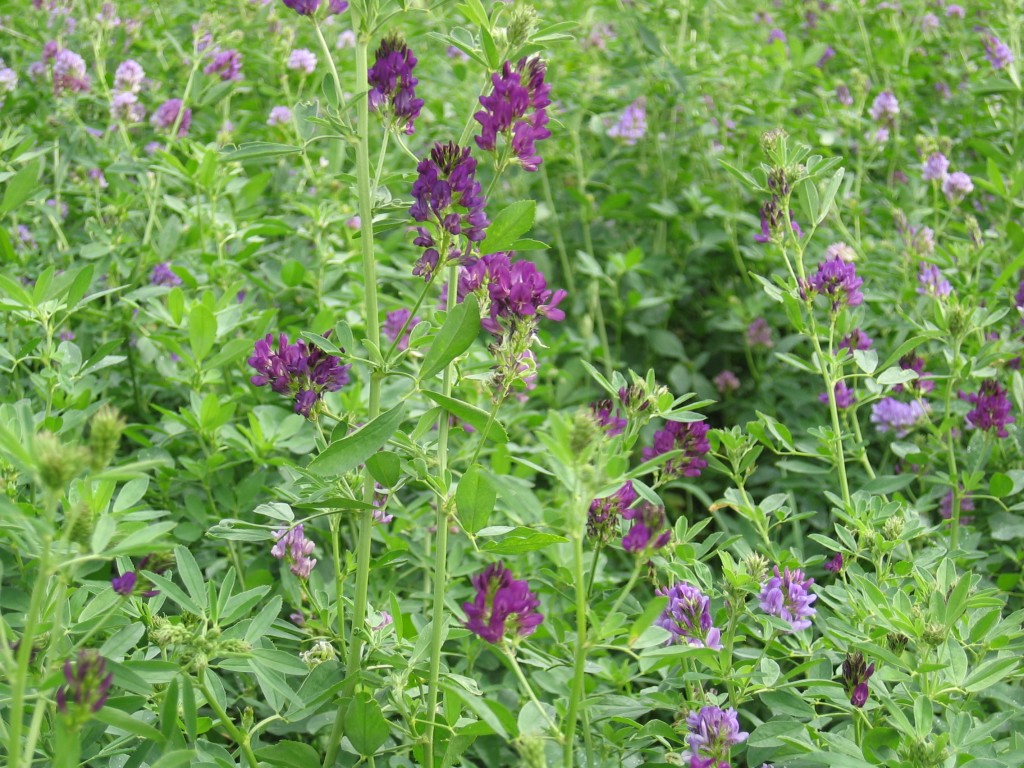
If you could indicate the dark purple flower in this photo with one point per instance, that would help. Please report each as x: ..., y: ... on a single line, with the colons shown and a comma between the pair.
x: 302, y: 371
x: 87, y: 684
x: 649, y: 531
x: 396, y: 322
x: 713, y: 732
x: 771, y: 222
x: 923, y: 384
x: 608, y: 417
x: 335, y: 7
x: 603, y: 516
x: 293, y: 546
x: 517, y: 108
x: 688, y: 617
x: 997, y: 52
x: 303, y: 7
x: 991, y: 408
x: 788, y: 596
x: 838, y: 280
x: 504, y: 607
x: 688, y: 436
x: 225, y: 64
x: 392, y: 86
x: 856, y: 339
x: 890, y: 414
x: 835, y: 565
x: 125, y: 583
x: 520, y: 291
x: 162, y: 275
x: 167, y: 113
x: 845, y: 397
x: 856, y: 674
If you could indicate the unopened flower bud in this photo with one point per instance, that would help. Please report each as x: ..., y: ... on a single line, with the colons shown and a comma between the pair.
x: 934, y: 634
x: 321, y: 651
x: 57, y: 463
x: 756, y: 566
x: 896, y: 642
x: 521, y: 26
x: 893, y: 528
x: 531, y: 752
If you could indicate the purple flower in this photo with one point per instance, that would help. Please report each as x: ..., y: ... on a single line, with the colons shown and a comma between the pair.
x: 966, y: 505
x: 293, y: 546
x: 726, y: 382
x: 922, y: 384
x: 840, y: 251
x: 392, y: 86
x: 516, y: 108
x: 935, y: 167
x: 884, y: 107
x: 129, y: 76
x: 771, y: 222
x: 890, y: 414
x: 447, y: 194
x: 837, y: 279
x: 167, y: 113
x: 688, y: 436
x: 347, y: 39
x: 302, y: 59
x: 301, y: 371
x: 956, y: 186
x: 826, y: 57
x: 955, y: 11
x: 519, y: 291
x: 788, y: 596
x: 225, y: 64
x: 396, y: 322
x: 845, y: 397
x: 930, y: 22
x: 856, y: 339
x: 632, y: 126
x: 380, y: 504
x: 608, y: 417
x: 125, y: 107
x: 991, y: 408
x: 759, y: 334
x: 713, y: 732
x: 776, y: 34
x: 649, y: 531
x: 603, y: 516
x: 303, y: 7
x: 835, y: 565
x: 162, y: 275
x: 503, y: 607
x: 843, y: 95
x: 334, y: 7
x: 688, y: 617
x: 125, y: 583
x: 855, y: 678
x: 87, y: 684
x: 997, y: 52
x: 69, y: 73
x: 931, y: 282
x: 279, y: 116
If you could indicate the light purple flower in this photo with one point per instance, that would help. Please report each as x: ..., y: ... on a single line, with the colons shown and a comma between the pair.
x: 69, y: 73
x: 279, y: 116
x: 293, y: 546
x: 884, y: 107
x: 347, y: 39
x: 713, y: 732
x: 726, y: 382
x: 843, y: 95
x: 892, y: 415
x: 162, y: 275
x: 302, y: 59
x: 632, y: 126
x: 125, y: 107
x: 931, y: 282
x: 167, y: 113
x: 997, y: 52
x: 956, y: 186
x: 930, y: 22
x: 129, y: 76
x: 503, y: 607
x: 688, y: 617
x: 935, y: 167
x: 759, y: 334
x: 955, y: 11
x: 788, y: 596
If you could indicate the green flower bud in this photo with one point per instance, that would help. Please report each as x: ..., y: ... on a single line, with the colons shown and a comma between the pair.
x: 105, y: 430
x: 56, y: 463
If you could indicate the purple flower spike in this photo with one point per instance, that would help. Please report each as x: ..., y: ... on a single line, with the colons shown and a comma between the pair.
x: 87, y: 684
x: 125, y: 583
x: 603, y: 516
x: 69, y: 73
x: 225, y: 64
x: 392, y: 86
x: 691, y: 438
x: 845, y: 397
x: 608, y: 417
x: 931, y: 282
x: 838, y: 280
x: 298, y: 370
x: 649, y: 531
x: 991, y: 408
x: 167, y: 113
x: 516, y: 107
x: 855, y: 678
x: 788, y: 596
x: 892, y: 415
x: 956, y: 186
x: 835, y: 565
x: 503, y: 608
x: 885, y: 107
x: 303, y: 7
x: 713, y: 732
x: 935, y: 167
x: 997, y: 52
x: 688, y: 617
x: 293, y: 547
x: 162, y: 275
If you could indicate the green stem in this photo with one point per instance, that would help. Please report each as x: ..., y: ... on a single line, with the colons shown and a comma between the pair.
x: 954, y: 475
x: 625, y: 592
x: 441, y: 541
x: 239, y: 738
x: 511, y: 656
x: 580, y: 661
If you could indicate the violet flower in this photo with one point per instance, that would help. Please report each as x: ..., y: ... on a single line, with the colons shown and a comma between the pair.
x: 392, y: 85
x: 956, y: 186
x: 713, y: 732
x: 966, y: 505
x: 991, y: 408
x: 935, y: 167
x: 279, y: 116
x: 884, y: 107
x: 302, y: 371
x: 394, y: 324
x: 162, y: 275
x: 931, y: 282
x: 129, y: 76
x: 167, y: 113
x: 856, y: 339
x: 225, y: 64
x: 293, y: 546
x: 302, y: 59
x: 845, y: 397
x: 688, y: 617
x: 649, y: 531
x: 838, y: 280
x: 688, y: 436
x: 516, y: 107
x: 608, y: 417
x: 86, y: 686
x: 726, y: 382
x: 892, y: 415
x: 856, y: 674
x: 125, y: 583
x: 503, y: 607
x: 603, y: 515
x: 835, y: 565
x: 632, y: 126
x: 759, y: 334
x: 997, y: 52
x: 788, y: 596
x: 69, y: 73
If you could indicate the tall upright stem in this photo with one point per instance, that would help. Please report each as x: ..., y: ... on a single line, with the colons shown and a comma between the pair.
x: 441, y: 540
x: 580, y: 661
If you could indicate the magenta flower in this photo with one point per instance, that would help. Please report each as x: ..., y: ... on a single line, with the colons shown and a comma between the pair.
x: 838, y: 280
x: 227, y: 65
x: 162, y: 275
x: 649, y: 531
x: 688, y: 436
x: 788, y: 596
x: 603, y: 516
x: 688, y: 617
x: 503, y: 607
x: 299, y: 370
x: 516, y: 107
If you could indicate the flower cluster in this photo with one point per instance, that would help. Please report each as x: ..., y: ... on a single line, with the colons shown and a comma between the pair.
x: 309, y: 7
x: 167, y: 114
x: 86, y: 686
x: 8, y: 81
x: 392, y: 85
x: 397, y: 322
x: 726, y: 382
x: 856, y: 339
x: 772, y: 222
x: 991, y: 408
x: 956, y: 186
x: 516, y: 108
x: 279, y: 115
x: 608, y: 416
x: 935, y: 167
x: 713, y: 732
x: 447, y: 194
x: 162, y: 275
x: 688, y: 436
x: 836, y: 279
x: 688, y: 617
x: 225, y: 64
x: 759, y: 334
x: 890, y: 414
x: 855, y: 678
x: 516, y: 294
x: 302, y: 59
x: 997, y: 52
x: 603, y: 516
x: 649, y: 531
x: 293, y: 546
x: 923, y: 384
x: 931, y: 282
x: 632, y: 126
x: 298, y: 370
x: 788, y: 596
x: 503, y: 606
x: 845, y: 397
x: 69, y: 73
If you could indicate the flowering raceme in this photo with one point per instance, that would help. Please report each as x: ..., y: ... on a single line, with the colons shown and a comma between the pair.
x: 86, y: 686
x: 688, y: 436
x: 603, y: 515
x: 688, y: 617
x: 890, y: 414
x: 991, y: 408
x: 503, y: 607
x: 632, y: 126
x: 855, y: 678
x: 293, y: 546
x: 516, y: 107
x: 227, y: 65
x: 649, y: 531
x: 167, y: 113
x: 788, y: 596
x: 301, y: 371
x: 392, y: 85
x: 838, y: 280
x: 713, y: 732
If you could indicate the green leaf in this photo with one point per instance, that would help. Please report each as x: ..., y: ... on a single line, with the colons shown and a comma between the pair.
x: 475, y: 499
x: 366, y: 727
x: 508, y: 226
x: 830, y: 193
x: 352, y: 450
x: 202, y: 330
x: 459, y: 331
x: 191, y: 576
x: 256, y: 149
x: 169, y: 710
x: 385, y: 467
x: 20, y: 186
x: 175, y: 759
x: 125, y: 722
x: 173, y: 591
x: 892, y: 376
x: 475, y: 417
x: 990, y: 673
x: 289, y: 754
x: 521, y: 540
x: 264, y: 620
x: 1000, y: 485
